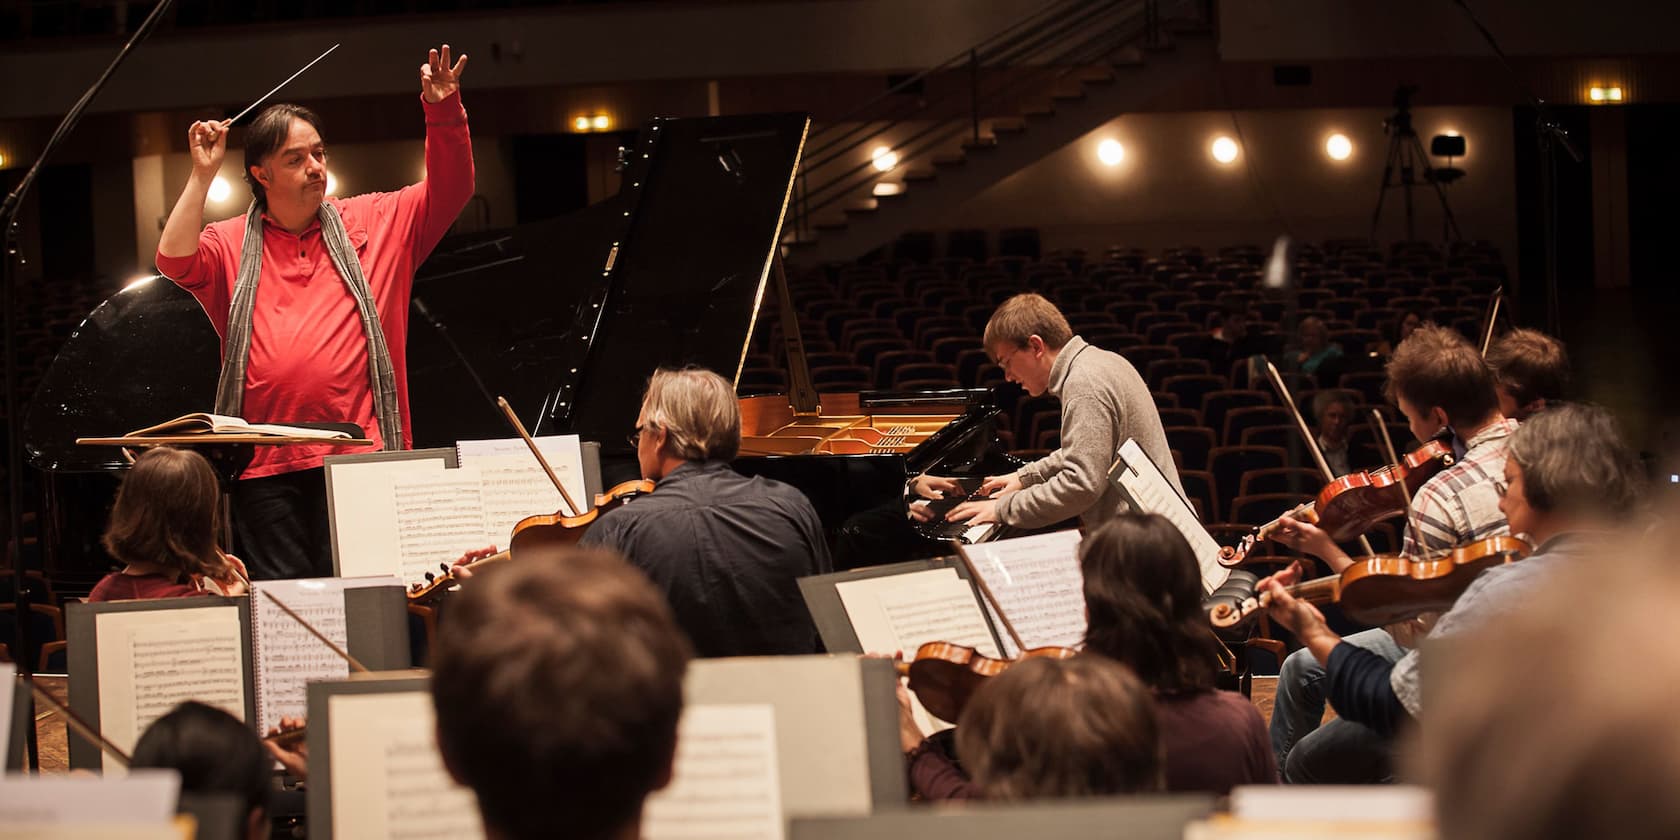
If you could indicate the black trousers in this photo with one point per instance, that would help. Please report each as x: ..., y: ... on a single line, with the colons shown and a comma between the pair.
x: 280, y: 525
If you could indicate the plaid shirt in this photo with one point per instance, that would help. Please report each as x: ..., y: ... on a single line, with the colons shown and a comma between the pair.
x: 1460, y: 505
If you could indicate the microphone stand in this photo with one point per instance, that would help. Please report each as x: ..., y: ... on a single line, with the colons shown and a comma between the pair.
x: 8, y: 325
x: 1551, y: 136
x: 443, y: 332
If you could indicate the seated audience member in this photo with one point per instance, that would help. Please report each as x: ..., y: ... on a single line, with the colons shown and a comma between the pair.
x: 1396, y: 331
x: 163, y: 531
x: 1439, y: 381
x: 1333, y: 412
x: 1143, y: 594
x: 1104, y: 402
x: 1568, y: 484
x: 1314, y: 353
x: 727, y: 550
x: 1050, y: 728
x: 1530, y: 371
x: 215, y: 754
x: 1512, y: 754
x: 558, y: 687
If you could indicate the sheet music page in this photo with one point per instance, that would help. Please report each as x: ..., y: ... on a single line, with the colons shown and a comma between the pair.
x: 903, y: 612
x: 1149, y: 492
x: 1038, y: 582
x: 515, y: 485
x: 726, y: 782
x: 289, y: 657
x: 150, y: 661
x: 8, y: 674
x: 439, y: 516
x: 144, y: 797
x: 364, y: 511
x: 388, y: 779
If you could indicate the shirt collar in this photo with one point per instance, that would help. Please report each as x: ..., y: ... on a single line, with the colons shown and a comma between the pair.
x: 1492, y: 432
x: 1064, y: 362
x: 692, y: 469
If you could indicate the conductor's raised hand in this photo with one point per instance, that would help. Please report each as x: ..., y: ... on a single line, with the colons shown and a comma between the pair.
x: 438, y: 77
x: 207, y: 143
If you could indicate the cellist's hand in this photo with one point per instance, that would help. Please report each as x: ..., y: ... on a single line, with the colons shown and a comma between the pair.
x: 462, y: 567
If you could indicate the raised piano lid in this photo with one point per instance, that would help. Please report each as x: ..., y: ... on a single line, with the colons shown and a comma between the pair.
x: 685, y: 285
x: 144, y: 355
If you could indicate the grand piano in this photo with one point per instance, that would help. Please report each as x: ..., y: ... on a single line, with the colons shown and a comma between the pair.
x: 567, y: 318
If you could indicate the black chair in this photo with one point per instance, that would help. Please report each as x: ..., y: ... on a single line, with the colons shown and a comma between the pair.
x: 1193, y: 443
x: 1228, y: 463
x: 1218, y: 402
x: 1261, y: 508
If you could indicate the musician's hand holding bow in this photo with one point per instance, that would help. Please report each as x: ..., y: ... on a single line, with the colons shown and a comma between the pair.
x: 294, y: 755
x: 438, y: 78
x: 1301, y: 617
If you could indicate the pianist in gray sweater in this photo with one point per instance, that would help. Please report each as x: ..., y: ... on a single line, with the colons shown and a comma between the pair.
x: 1104, y: 402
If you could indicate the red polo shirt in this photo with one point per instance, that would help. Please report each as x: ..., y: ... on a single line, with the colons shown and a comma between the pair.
x: 308, y: 359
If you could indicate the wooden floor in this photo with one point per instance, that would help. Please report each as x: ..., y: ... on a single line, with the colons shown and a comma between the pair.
x: 55, y: 751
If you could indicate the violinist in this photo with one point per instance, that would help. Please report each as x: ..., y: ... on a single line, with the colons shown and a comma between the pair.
x: 163, y: 531
x: 1440, y: 382
x: 727, y: 550
x: 1143, y: 592
x: 1569, y: 482
x: 1530, y: 370
x: 557, y: 688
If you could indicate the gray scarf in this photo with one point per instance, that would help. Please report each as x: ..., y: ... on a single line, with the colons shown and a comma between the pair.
x: 230, y: 388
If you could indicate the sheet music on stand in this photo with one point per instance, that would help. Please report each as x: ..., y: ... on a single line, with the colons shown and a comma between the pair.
x: 1039, y: 585
x: 286, y: 656
x: 1147, y: 490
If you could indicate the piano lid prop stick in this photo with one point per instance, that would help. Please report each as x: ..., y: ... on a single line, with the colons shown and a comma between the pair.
x: 526, y: 436
x: 980, y: 580
x: 342, y: 653
x: 75, y: 722
x: 264, y: 97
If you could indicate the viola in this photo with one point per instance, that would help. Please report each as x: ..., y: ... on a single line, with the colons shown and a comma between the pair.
x: 1351, y: 505
x: 944, y: 675
x: 1386, y: 588
x: 540, y: 535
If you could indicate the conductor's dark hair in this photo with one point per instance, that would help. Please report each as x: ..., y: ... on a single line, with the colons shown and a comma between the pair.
x: 213, y: 751
x: 267, y: 134
x: 1143, y: 600
x: 558, y: 684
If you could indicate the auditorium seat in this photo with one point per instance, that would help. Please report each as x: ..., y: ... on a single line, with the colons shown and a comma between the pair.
x: 1218, y: 402
x: 1228, y: 463
x: 1193, y: 444
x: 1281, y: 480
x: 1260, y: 508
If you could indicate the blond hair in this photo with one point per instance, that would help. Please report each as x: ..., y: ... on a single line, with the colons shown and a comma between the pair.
x: 1024, y: 316
x: 698, y: 411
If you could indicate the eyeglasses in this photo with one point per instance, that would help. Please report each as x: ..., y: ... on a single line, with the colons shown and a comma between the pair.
x: 1501, y: 487
x: 635, y: 437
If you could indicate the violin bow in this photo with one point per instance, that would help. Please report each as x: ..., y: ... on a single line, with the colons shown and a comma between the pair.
x: 1388, y: 444
x: 75, y: 722
x: 1307, y: 436
x: 985, y: 590
x: 342, y: 653
x: 1492, y: 318
x: 526, y: 436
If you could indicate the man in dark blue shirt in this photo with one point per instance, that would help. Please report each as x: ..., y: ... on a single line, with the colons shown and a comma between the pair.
x: 727, y: 550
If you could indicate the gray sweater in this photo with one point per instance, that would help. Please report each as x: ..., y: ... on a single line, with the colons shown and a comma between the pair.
x: 1104, y: 402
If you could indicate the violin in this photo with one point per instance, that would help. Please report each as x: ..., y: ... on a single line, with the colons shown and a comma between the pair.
x: 1385, y: 589
x: 1351, y: 505
x: 536, y: 536
x: 944, y: 675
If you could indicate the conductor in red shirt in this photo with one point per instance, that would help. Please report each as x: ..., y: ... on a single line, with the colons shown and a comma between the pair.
x: 310, y: 296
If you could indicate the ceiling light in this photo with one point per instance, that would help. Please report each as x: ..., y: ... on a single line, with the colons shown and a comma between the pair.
x: 884, y: 157
x: 1224, y: 149
x: 601, y: 122
x: 1110, y: 152
x: 1338, y: 147
x: 581, y: 123
x: 219, y: 189
x: 332, y: 184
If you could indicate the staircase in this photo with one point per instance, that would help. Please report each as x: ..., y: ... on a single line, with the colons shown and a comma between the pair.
x: 995, y: 109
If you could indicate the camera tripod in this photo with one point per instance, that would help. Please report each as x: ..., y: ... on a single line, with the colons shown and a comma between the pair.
x: 1406, y: 155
